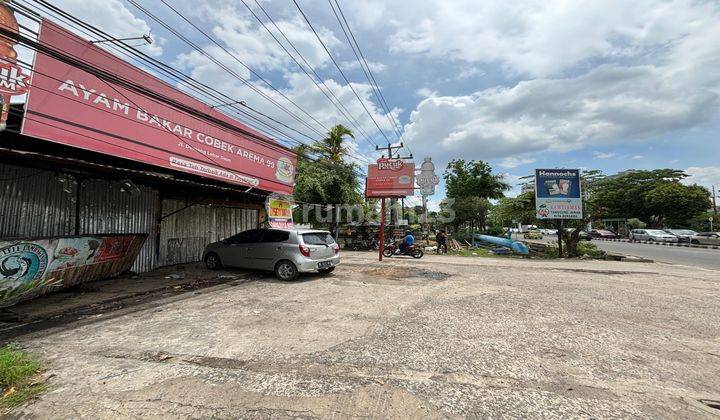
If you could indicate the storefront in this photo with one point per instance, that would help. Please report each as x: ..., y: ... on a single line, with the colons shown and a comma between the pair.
x: 102, y: 149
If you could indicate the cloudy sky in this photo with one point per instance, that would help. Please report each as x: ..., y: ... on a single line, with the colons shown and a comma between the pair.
x: 608, y: 85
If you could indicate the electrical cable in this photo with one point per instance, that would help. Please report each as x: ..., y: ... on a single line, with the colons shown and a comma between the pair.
x: 234, y: 56
x: 339, y: 105
x: 339, y: 69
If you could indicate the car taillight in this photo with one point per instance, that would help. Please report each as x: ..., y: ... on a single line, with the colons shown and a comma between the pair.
x: 336, y: 247
x: 305, y: 250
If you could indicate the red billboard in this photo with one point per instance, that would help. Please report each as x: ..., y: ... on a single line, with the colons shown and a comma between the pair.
x: 74, y: 107
x: 390, y: 178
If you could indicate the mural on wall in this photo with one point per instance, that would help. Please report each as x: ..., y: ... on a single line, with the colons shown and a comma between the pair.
x: 31, y: 267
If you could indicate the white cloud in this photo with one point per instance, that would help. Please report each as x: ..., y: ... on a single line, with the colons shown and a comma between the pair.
x: 601, y: 155
x: 112, y: 17
x: 542, y: 38
x: 375, y: 67
x: 637, y: 157
x: 706, y: 176
x: 251, y: 43
x: 514, y: 162
x: 425, y: 93
x: 610, y: 104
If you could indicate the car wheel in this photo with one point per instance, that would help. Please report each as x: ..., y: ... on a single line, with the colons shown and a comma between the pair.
x: 695, y: 242
x: 286, y: 271
x: 212, y: 261
x: 651, y: 240
x: 326, y: 270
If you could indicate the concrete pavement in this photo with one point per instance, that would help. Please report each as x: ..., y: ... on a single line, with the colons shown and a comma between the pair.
x: 441, y: 337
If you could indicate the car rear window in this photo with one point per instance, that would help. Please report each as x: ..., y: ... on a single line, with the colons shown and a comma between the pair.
x: 318, y: 238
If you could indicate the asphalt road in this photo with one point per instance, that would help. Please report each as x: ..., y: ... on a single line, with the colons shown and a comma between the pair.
x: 696, y: 257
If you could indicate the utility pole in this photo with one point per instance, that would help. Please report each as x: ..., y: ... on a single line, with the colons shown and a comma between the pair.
x: 714, y: 203
x: 389, y: 150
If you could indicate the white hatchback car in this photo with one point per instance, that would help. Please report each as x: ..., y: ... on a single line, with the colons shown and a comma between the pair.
x: 287, y: 252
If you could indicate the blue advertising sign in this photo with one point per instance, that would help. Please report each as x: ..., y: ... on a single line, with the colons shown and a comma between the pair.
x: 557, y: 194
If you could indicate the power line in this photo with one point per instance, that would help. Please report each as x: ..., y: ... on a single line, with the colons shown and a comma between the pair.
x: 234, y: 56
x: 185, y: 80
x: 370, y: 81
x: 335, y: 101
x: 369, y: 72
x: 340, y: 70
x: 220, y: 64
x: 147, y: 93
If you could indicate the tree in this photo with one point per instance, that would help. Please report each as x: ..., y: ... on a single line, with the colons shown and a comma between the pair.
x: 329, y: 179
x: 656, y: 197
x: 520, y: 209
x: 333, y: 146
x: 474, y: 178
x: 472, y: 210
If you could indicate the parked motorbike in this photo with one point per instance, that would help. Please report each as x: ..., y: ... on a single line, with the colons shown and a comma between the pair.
x: 363, y: 245
x: 412, y: 250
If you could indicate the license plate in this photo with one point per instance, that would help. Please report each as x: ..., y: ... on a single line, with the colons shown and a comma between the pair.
x: 324, y: 264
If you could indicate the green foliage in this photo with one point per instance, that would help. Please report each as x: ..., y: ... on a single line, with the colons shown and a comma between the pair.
x: 520, y: 209
x: 471, y: 210
x: 471, y: 184
x: 676, y: 204
x: 589, y: 249
x: 333, y: 146
x: 635, y: 223
x: 474, y: 178
x: 16, y: 371
x: 655, y: 196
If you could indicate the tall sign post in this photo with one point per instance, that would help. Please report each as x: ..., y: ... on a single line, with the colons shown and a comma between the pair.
x: 390, y: 177
x: 558, y: 196
x: 426, y: 180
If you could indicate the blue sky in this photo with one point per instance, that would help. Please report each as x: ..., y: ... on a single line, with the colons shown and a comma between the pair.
x: 609, y: 85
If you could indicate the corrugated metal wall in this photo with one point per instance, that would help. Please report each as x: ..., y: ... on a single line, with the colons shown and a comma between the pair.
x: 42, y: 203
x: 35, y: 203
x: 183, y: 235
x: 108, y: 207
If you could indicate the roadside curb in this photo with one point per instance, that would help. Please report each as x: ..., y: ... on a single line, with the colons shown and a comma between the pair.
x: 683, y: 245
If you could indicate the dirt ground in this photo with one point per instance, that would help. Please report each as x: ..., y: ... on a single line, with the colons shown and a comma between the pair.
x: 441, y: 337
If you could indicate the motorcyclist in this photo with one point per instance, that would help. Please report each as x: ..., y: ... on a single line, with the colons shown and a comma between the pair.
x: 408, y: 241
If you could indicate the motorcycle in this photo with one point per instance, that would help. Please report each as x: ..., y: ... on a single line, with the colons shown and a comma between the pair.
x: 363, y: 245
x: 412, y: 251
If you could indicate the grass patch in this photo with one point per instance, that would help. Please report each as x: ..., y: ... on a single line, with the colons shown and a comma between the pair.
x: 17, y: 371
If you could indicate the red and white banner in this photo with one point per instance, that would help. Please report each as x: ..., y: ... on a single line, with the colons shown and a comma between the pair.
x: 71, y: 106
x: 390, y: 178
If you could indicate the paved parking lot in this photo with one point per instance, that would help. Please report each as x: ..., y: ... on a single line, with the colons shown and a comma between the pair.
x: 438, y: 337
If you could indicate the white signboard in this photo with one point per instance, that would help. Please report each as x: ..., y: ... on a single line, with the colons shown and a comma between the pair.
x: 427, y: 180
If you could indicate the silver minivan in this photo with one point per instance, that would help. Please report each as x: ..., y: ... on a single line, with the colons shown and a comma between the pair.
x: 652, y: 235
x: 287, y: 252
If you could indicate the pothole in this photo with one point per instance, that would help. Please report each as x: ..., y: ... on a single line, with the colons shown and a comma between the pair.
x: 396, y: 273
x: 711, y: 403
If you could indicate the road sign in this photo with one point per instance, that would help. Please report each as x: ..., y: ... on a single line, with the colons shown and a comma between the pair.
x: 558, y: 194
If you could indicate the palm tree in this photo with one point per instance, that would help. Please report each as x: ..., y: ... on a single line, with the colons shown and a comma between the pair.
x: 332, y: 146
